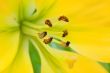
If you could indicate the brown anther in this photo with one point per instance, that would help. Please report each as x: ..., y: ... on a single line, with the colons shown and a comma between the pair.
x: 63, y: 18
x: 67, y: 43
x: 48, y: 22
x: 65, y: 33
x: 48, y: 40
x: 42, y: 35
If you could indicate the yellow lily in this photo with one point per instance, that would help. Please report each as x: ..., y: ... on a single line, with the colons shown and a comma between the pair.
x: 32, y: 37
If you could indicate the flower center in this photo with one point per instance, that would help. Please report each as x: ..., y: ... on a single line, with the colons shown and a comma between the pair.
x: 45, y: 30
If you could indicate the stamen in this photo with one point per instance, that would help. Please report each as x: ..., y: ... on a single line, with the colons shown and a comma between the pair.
x: 48, y: 22
x: 66, y: 44
x: 48, y: 40
x: 65, y: 33
x: 63, y: 18
x: 42, y: 35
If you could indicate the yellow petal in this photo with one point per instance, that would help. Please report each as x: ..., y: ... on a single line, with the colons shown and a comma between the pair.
x: 90, y: 30
x: 42, y: 8
x: 85, y: 65
x: 72, y: 63
x: 64, y: 60
x: 8, y: 7
x: 43, y: 4
x: 28, y: 7
x: 94, y: 45
x: 8, y: 40
x: 67, y: 59
x: 8, y: 14
x: 21, y: 63
x: 45, y: 67
x: 8, y: 48
x: 64, y: 7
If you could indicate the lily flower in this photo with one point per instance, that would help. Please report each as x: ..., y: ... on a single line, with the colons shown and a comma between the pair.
x: 54, y: 36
